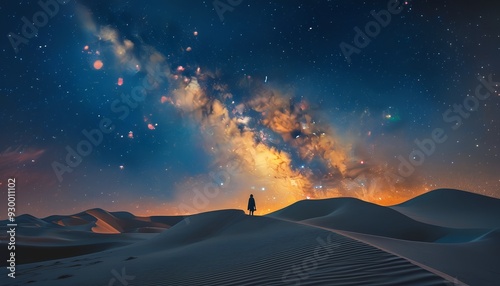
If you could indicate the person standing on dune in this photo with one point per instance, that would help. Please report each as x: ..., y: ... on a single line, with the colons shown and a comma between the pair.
x: 251, y: 205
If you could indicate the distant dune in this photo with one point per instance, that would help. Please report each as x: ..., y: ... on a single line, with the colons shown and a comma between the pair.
x: 101, y: 221
x: 342, y: 241
x: 60, y: 236
x: 452, y: 231
x: 453, y: 208
x: 359, y: 216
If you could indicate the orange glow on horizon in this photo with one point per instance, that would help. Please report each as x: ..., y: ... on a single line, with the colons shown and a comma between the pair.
x: 264, y: 205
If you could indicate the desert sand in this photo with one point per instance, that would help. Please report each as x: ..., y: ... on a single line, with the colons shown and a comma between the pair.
x: 445, y: 237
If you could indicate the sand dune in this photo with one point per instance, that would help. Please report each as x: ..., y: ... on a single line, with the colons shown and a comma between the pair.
x: 359, y: 216
x: 474, y: 263
x: 316, y: 242
x: 230, y: 248
x: 452, y: 231
x: 30, y: 221
x: 60, y: 236
x: 453, y: 208
x: 101, y: 221
x: 105, y: 222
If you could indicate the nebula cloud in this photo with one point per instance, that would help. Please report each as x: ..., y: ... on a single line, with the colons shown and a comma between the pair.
x: 270, y: 144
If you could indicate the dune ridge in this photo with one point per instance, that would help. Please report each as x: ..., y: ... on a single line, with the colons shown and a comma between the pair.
x: 230, y: 248
x: 453, y: 208
x: 429, y: 229
x: 342, y: 241
x: 100, y: 221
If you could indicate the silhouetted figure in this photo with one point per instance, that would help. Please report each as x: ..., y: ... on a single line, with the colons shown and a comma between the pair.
x: 251, y: 205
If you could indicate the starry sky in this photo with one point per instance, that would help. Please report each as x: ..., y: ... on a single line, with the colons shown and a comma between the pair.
x: 176, y: 107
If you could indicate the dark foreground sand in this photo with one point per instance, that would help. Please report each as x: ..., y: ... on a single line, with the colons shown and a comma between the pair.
x: 317, y: 242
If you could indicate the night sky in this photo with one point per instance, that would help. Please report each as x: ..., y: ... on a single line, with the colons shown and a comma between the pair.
x: 191, y: 106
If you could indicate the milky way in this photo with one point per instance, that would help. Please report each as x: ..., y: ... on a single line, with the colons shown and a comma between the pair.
x: 181, y: 118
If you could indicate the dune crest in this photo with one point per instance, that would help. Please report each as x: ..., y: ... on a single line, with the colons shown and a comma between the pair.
x: 453, y: 208
x: 105, y: 222
x: 313, y: 242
